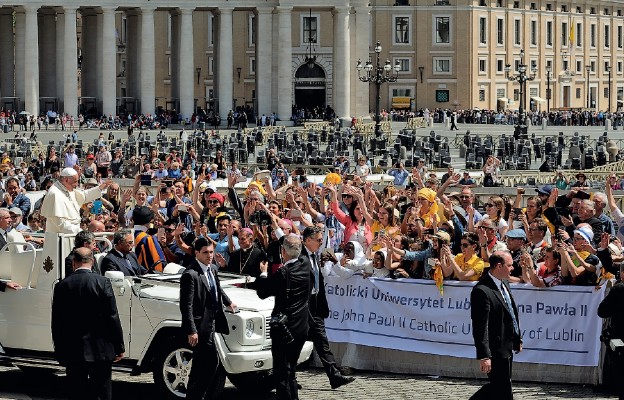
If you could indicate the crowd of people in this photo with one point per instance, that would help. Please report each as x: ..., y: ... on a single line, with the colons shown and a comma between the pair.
x: 418, y: 226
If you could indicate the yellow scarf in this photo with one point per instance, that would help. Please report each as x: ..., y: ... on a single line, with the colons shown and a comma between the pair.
x: 583, y: 255
x: 430, y: 196
x: 438, y: 277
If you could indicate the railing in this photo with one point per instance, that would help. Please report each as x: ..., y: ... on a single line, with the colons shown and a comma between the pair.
x: 31, y: 250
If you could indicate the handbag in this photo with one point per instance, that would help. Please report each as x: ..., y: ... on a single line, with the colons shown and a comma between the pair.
x: 278, y: 329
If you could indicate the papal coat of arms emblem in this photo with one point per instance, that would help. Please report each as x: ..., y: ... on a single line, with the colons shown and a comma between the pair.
x: 48, y: 264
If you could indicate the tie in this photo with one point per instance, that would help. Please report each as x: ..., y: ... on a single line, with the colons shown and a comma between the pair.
x: 511, y: 311
x: 315, y: 271
x: 213, y: 287
x: 130, y: 267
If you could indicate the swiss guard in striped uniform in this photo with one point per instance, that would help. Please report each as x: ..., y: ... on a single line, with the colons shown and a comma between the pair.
x: 146, y: 246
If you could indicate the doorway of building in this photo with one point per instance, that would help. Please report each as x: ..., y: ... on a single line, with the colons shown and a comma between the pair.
x: 310, y: 92
x: 566, y: 96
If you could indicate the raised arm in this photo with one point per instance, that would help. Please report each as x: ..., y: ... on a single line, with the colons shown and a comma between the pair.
x: 197, y: 206
x: 359, y: 196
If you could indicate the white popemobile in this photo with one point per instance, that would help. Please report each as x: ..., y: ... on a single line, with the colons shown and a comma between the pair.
x: 150, y: 316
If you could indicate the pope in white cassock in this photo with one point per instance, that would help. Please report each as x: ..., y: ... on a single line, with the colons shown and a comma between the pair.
x: 61, y: 205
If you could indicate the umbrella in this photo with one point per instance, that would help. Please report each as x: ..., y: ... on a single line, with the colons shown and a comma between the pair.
x: 24, y: 113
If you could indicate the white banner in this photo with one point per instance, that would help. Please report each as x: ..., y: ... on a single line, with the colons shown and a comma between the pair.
x: 559, y: 325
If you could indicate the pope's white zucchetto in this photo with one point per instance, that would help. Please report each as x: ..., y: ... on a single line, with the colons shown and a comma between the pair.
x: 69, y: 172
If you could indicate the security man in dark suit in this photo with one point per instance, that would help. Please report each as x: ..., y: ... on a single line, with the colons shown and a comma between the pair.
x: 201, y: 305
x: 495, y: 327
x: 82, y: 239
x: 319, y: 309
x: 611, y: 307
x: 290, y: 285
x: 86, y: 329
x: 122, y: 258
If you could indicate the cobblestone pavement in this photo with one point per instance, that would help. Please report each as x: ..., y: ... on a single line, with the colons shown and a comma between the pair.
x: 15, y: 385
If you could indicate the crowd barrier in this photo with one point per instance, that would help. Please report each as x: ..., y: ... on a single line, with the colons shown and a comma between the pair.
x: 407, y: 326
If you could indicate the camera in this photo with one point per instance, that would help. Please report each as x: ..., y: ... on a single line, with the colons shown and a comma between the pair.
x: 614, y: 344
x: 260, y: 217
x: 279, y: 330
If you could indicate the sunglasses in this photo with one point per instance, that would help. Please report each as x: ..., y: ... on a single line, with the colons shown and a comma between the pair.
x: 346, y: 196
x: 213, y: 201
x: 464, y: 197
x: 169, y: 230
x: 488, y: 205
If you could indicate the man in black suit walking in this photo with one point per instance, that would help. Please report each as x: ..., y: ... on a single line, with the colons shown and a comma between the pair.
x: 495, y: 327
x: 201, y: 305
x: 122, y: 258
x: 290, y: 285
x: 319, y: 309
x: 86, y: 329
x: 611, y: 307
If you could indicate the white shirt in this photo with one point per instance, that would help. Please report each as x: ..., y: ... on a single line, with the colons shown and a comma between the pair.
x: 498, y: 283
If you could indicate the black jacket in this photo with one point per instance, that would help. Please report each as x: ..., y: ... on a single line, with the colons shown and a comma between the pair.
x: 492, y: 324
x: 295, y: 303
x: 113, y: 262
x: 249, y: 265
x: 318, y: 304
x: 85, y: 322
x: 199, y: 314
x: 611, y: 307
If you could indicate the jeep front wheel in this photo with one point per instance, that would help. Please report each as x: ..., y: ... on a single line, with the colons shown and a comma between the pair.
x: 172, y: 369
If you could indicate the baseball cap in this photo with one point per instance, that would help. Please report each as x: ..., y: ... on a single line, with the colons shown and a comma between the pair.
x: 546, y: 189
x: 516, y: 234
x: 442, y: 235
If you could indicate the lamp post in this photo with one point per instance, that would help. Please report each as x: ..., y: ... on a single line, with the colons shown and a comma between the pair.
x: 378, y: 74
x: 608, y: 68
x: 587, y: 69
x: 548, y: 71
x: 521, y: 129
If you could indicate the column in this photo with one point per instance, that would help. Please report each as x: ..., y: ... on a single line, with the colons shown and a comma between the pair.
x: 20, y: 56
x: 226, y: 64
x: 362, y: 35
x: 284, y: 64
x: 187, y: 64
x: 99, y: 40
x: 57, y: 44
x: 89, y: 69
x: 31, y: 67
x: 148, y: 61
x: 132, y: 71
x: 109, y: 62
x: 70, y: 66
x: 59, y: 53
x: 47, y: 41
x: 7, y: 70
x: 342, y: 64
x: 264, y: 61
